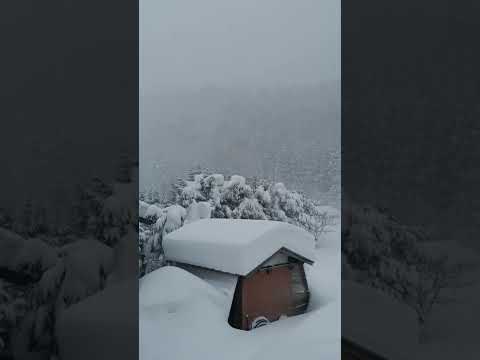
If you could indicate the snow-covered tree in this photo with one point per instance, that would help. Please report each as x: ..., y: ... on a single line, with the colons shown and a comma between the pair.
x: 385, y: 254
x: 419, y: 285
x: 204, y: 194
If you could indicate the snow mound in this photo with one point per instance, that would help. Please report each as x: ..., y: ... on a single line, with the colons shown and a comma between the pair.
x: 181, y: 318
x: 153, y: 211
x: 236, y: 246
x: 224, y: 283
x: 177, y: 287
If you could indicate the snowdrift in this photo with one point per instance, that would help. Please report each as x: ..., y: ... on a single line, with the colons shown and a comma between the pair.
x: 182, y: 317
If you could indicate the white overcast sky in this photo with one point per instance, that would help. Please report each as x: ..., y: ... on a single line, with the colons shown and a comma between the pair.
x: 241, y: 45
x: 229, y: 43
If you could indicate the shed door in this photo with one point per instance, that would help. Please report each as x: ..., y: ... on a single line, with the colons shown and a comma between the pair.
x: 266, y: 293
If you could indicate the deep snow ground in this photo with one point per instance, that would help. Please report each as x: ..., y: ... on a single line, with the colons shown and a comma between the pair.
x: 392, y: 327
x: 182, y: 317
x: 454, y: 328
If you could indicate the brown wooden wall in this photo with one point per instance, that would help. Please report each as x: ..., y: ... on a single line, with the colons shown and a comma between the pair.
x: 271, y: 292
x: 266, y: 293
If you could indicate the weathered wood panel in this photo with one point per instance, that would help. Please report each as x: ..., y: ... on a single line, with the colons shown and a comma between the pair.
x: 266, y: 293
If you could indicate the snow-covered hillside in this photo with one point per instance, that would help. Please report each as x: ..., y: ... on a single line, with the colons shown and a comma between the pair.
x: 182, y: 317
x: 417, y: 294
x: 392, y: 329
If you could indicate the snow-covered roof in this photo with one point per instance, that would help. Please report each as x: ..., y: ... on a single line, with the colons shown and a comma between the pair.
x: 235, y: 246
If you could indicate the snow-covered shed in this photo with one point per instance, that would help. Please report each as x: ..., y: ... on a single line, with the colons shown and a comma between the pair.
x: 257, y: 263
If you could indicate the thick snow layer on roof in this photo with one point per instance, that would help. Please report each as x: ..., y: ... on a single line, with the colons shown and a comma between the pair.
x: 235, y: 246
x: 378, y: 322
x: 181, y: 318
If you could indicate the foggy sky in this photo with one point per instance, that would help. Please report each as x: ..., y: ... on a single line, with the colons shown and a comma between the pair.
x: 185, y: 43
x: 205, y: 65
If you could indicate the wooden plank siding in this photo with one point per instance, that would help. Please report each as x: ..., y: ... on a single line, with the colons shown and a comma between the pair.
x: 270, y: 292
x: 266, y: 293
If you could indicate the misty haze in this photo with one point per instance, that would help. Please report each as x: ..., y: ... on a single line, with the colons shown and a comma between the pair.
x: 243, y: 88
